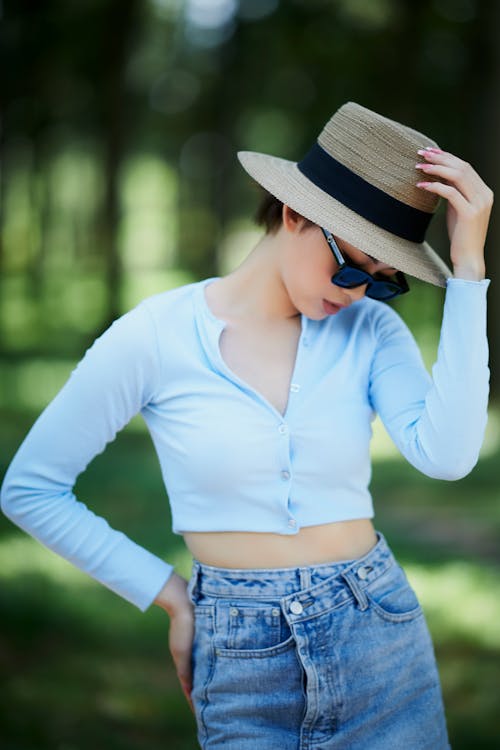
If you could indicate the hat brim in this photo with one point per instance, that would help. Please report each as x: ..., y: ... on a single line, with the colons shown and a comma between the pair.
x: 283, y: 179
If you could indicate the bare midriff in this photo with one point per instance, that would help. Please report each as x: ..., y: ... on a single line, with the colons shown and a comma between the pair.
x: 331, y: 542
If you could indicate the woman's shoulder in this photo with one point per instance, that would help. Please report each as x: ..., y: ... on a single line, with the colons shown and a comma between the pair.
x: 172, y: 296
x: 172, y: 304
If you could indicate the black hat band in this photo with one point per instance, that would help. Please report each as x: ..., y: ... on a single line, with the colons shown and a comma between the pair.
x: 365, y: 199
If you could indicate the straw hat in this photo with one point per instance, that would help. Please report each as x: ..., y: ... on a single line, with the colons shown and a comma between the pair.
x: 359, y: 181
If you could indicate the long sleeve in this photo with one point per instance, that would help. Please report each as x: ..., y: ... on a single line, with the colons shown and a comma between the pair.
x: 437, y: 423
x: 114, y: 380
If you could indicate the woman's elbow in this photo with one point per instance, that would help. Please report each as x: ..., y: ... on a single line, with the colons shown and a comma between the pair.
x: 17, y: 499
x: 447, y: 470
x: 9, y: 496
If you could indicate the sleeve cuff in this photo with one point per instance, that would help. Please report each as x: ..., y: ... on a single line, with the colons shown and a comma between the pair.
x: 135, y: 573
x: 456, y: 282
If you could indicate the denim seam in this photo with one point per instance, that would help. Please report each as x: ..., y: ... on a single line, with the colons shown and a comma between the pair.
x: 232, y: 594
x: 396, y: 617
x: 208, y: 680
x: 262, y: 653
x: 319, y: 588
x: 312, y: 706
x: 228, y: 592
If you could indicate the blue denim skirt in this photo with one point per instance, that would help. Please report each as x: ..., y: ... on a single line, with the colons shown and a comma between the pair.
x: 335, y: 656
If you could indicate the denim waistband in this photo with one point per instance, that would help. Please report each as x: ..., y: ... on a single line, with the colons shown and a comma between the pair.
x: 269, y: 583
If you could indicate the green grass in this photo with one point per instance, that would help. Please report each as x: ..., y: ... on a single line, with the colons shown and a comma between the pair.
x: 80, y: 668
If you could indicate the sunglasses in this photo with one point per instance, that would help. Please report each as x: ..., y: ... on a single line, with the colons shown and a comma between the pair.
x: 349, y: 276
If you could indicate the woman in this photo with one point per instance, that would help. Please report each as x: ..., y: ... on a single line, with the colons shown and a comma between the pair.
x: 298, y: 629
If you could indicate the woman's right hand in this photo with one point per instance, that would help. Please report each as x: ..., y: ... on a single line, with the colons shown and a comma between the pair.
x: 173, y: 599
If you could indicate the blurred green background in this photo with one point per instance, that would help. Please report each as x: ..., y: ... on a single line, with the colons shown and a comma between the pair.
x: 120, y: 125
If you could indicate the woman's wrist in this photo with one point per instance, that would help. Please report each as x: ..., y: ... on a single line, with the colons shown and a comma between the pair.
x: 470, y: 272
x: 173, y: 595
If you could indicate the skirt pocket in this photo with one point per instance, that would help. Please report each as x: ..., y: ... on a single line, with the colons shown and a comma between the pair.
x: 250, y: 628
x: 392, y: 597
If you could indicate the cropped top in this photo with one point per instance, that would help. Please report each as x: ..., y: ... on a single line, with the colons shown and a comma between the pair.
x: 229, y: 459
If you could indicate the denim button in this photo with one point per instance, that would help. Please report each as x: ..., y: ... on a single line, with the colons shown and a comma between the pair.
x: 363, y: 572
x: 282, y: 429
x: 275, y: 611
x: 285, y: 475
x: 292, y: 523
x: 233, y: 611
x: 296, y: 607
x: 295, y: 387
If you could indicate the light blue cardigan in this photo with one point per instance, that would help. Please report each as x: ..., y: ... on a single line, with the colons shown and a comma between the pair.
x: 229, y: 459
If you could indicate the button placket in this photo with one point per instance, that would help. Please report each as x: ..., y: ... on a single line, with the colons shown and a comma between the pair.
x: 285, y: 474
x: 299, y: 370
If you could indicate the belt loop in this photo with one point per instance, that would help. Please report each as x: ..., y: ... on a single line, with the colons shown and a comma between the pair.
x: 305, y: 578
x: 356, y: 589
x: 193, y: 587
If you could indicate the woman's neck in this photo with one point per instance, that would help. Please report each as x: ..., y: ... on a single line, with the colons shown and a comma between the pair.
x: 255, y: 289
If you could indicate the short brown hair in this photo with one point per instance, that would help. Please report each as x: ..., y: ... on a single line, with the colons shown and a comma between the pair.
x: 269, y: 212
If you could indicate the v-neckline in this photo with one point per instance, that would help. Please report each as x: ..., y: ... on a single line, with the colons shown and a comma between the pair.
x: 221, y: 325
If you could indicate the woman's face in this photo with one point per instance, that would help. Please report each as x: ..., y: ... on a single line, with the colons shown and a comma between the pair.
x: 307, y: 268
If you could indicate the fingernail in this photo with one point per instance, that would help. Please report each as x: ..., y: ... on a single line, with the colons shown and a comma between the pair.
x: 422, y: 166
x: 429, y: 149
x: 423, y: 184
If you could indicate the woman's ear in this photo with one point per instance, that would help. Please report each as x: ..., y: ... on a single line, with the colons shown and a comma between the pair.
x: 292, y: 220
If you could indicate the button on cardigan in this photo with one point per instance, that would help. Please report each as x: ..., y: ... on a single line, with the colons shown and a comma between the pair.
x: 230, y: 461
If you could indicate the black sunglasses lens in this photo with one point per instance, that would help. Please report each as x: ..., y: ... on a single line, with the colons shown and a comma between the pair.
x: 350, y: 277
x: 383, y: 290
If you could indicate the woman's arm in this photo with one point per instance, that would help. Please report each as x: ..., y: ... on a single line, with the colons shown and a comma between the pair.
x: 118, y: 375
x: 439, y: 424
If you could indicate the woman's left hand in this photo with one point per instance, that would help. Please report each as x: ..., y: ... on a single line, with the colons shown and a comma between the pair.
x: 468, y: 210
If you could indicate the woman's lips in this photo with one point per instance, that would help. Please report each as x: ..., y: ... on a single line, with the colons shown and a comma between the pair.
x: 330, y: 308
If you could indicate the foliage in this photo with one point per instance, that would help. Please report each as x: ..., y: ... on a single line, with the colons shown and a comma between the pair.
x: 122, y: 120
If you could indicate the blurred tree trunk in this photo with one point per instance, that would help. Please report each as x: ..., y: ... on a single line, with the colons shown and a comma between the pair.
x: 3, y: 182
x: 119, y: 21
x: 40, y: 210
x: 199, y: 228
x: 203, y: 162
